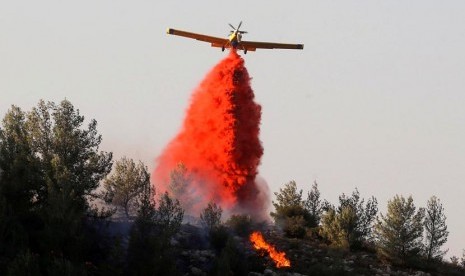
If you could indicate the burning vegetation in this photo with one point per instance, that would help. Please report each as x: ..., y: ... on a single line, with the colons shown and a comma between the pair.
x: 259, y: 243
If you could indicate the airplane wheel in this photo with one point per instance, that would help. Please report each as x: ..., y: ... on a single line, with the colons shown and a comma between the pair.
x: 245, y: 52
x: 222, y: 49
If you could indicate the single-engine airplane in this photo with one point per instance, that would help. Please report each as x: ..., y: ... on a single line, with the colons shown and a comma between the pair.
x: 234, y: 40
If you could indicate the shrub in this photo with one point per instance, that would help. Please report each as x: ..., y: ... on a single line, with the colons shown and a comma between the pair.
x: 240, y: 224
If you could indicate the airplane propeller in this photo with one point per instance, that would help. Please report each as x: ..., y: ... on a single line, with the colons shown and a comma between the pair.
x: 237, y: 29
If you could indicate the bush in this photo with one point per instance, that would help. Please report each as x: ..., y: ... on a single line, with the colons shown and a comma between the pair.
x: 26, y: 263
x: 218, y: 237
x: 294, y: 227
x: 240, y: 224
x: 231, y: 261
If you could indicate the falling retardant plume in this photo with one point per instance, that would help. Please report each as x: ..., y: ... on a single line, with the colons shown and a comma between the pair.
x: 217, y: 151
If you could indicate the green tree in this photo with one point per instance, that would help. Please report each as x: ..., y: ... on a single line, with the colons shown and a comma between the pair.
x: 125, y: 184
x: 73, y: 168
x: 20, y: 182
x: 240, y: 224
x: 290, y: 213
x: 462, y: 260
x: 349, y: 225
x: 435, y: 229
x: 149, y: 250
x: 287, y: 197
x: 231, y: 260
x: 180, y: 186
x: 314, y: 205
x: 50, y: 167
x: 143, y: 240
x: 169, y: 215
x: 399, y: 233
x: 211, y: 216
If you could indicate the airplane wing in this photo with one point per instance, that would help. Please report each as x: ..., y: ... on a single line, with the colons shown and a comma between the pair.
x: 252, y: 45
x: 215, y: 41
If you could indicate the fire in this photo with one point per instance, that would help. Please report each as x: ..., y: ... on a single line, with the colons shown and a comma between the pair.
x: 279, y: 258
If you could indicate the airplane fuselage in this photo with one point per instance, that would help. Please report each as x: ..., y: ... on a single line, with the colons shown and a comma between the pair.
x: 234, y: 39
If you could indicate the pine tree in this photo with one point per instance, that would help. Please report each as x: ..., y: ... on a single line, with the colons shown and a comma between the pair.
x: 288, y: 203
x: 314, y: 205
x: 349, y: 225
x: 125, y: 184
x: 435, y: 229
x: 290, y: 213
x: 180, y: 187
x: 399, y: 233
x: 20, y: 183
x: 150, y: 251
x: 211, y: 216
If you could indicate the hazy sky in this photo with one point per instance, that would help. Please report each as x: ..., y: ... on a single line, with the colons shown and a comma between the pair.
x: 374, y: 101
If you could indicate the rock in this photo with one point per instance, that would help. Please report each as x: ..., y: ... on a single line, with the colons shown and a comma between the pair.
x: 348, y: 269
x: 269, y: 272
x: 197, y: 271
x: 349, y: 262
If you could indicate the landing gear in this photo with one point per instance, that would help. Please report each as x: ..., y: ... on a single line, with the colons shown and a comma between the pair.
x: 245, y: 51
x: 222, y: 49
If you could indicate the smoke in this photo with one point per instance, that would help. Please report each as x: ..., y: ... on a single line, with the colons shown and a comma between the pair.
x: 218, y: 149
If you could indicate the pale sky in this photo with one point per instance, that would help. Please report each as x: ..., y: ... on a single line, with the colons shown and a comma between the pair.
x: 374, y: 101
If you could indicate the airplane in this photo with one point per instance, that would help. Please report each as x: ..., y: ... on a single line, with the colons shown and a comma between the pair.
x: 234, y: 40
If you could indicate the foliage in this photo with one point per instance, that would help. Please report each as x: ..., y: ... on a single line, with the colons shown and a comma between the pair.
x: 462, y: 260
x: 168, y: 217
x: 218, y: 237
x: 230, y: 261
x: 435, y: 229
x: 399, y: 233
x: 50, y: 166
x: 180, y: 186
x: 240, y: 224
x: 20, y: 182
x: 25, y: 263
x: 149, y: 250
x: 349, y: 225
x: 287, y: 197
x: 294, y: 227
x: 288, y: 205
x: 211, y: 216
x: 314, y: 205
x: 125, y: 184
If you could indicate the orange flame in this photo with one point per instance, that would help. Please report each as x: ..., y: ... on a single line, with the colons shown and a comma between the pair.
x: 258, y: 242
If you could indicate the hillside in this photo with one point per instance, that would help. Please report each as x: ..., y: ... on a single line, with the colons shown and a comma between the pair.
x: 308, y: 256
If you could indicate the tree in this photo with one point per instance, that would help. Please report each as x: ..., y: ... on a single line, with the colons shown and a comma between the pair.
x: 240, y: 224
x: 462, y: 260
x: 50, y: 167
x: 72, y: 166
x: 288, y: 203
x: 349, y: 225
x: 20, y: 182
x: 290, y: 212
x: 211, y: 216
x: 288, y: 197
x: 168, y: 217
x: 180, y: 187
x: 149, y: 250
x: 435, y: 229
x: 399, y: 233
x: 125, y: 184
x: 314, y: 205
